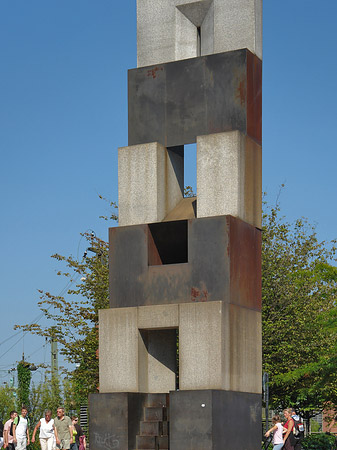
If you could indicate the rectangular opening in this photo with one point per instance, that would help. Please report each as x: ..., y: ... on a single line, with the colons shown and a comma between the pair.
x: 198, y: 41
x: 167, y: 243
x: 158, y: 356
x: 190, y: 170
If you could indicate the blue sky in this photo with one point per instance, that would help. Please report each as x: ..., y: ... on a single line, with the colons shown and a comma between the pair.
x: 63, y: 114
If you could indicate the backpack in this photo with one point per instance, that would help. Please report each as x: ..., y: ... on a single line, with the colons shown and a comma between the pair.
x: 12, y: 424
x: 298, y: 427
x: 81, y: 442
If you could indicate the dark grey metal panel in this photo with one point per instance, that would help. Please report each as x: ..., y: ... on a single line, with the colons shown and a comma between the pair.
x: 215, y: 420
x: 208, y: 253
x: 224, y: 261
x: 114, y: 420
x: 190, y: 422
x: 173, y: 103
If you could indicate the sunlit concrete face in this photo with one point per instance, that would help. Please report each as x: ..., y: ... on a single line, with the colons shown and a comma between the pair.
x: 219, y: 348
x: 171, y: 30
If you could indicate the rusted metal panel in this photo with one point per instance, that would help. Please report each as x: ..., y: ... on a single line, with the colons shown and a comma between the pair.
x: 245, y: 261
x: 173, y: 103
x: 254, y: 97
x: 224, y: 264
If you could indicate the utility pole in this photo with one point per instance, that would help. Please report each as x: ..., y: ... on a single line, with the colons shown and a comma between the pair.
x: 266, y: 396
x: 54, y: 359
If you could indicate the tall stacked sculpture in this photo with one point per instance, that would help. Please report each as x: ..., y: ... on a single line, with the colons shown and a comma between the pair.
x: 185, y: 273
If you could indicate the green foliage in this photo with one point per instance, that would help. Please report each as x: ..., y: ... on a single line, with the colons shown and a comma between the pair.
x: 7, y: 402
x: 74, y: 317
x: 321, y: 441
x: 315, y: 427
x: 45, y: 395
x: 24, y: 377
x: 298, y: 309
x: 188, y: 192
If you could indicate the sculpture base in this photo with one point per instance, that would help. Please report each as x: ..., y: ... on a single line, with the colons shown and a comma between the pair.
x: 198, y: 420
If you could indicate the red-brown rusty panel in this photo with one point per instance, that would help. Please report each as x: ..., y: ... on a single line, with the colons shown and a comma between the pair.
x: 244, y: 253
x: 254, y: 97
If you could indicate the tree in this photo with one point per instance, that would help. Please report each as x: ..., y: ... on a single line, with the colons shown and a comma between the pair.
x: 298, y: 299
x: 7, y: 402
x: 74, y: 318
x: 24, y: 377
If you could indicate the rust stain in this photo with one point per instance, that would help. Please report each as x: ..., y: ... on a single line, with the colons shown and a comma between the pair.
x: 199, y: 295
x: 242, y: 93
x: 153, y: 72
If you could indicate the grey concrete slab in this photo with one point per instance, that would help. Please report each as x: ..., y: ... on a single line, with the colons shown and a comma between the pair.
x: 167, y: 29
x: 229, y: 176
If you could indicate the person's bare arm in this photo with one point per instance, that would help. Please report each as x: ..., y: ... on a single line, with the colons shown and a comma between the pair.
x: 71, y: 433
x: 28, y: 442
x: 5, y: 438
x: 56, y: 435
x: 14, y: 432
x: 35, y: 430
x: 274, y: 428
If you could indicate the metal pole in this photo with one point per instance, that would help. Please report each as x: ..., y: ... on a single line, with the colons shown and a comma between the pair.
x: 54, y: 359
x: 266, y: 396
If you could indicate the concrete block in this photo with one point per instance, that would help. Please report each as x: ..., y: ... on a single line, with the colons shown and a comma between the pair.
x: 158, y: 316
x: 134, y: 360
x: 150, y: 182
x: 202, y: 358
x: 118, y: 350
x: 225, y: 25
x: 219, y: 347
x: 246, y: 356
x: 174, y: 103
x: 238, y: 24
x: 229, y: 176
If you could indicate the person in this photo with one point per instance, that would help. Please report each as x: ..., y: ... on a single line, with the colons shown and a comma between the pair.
x: 299, y: 427
x: 21, y: 430
x: 48, y: 432
x: 79, y: 435
x: 64, y: 430
x: 8, y: 437
x: 1, y: 433
x: 288, y: 435
x: 278, y: 430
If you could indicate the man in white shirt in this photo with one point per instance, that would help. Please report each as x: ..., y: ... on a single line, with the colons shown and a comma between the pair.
x: 21, y: 430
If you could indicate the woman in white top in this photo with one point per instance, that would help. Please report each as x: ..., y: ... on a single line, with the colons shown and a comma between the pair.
x: 48, y: 433
x: 278, y: 431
